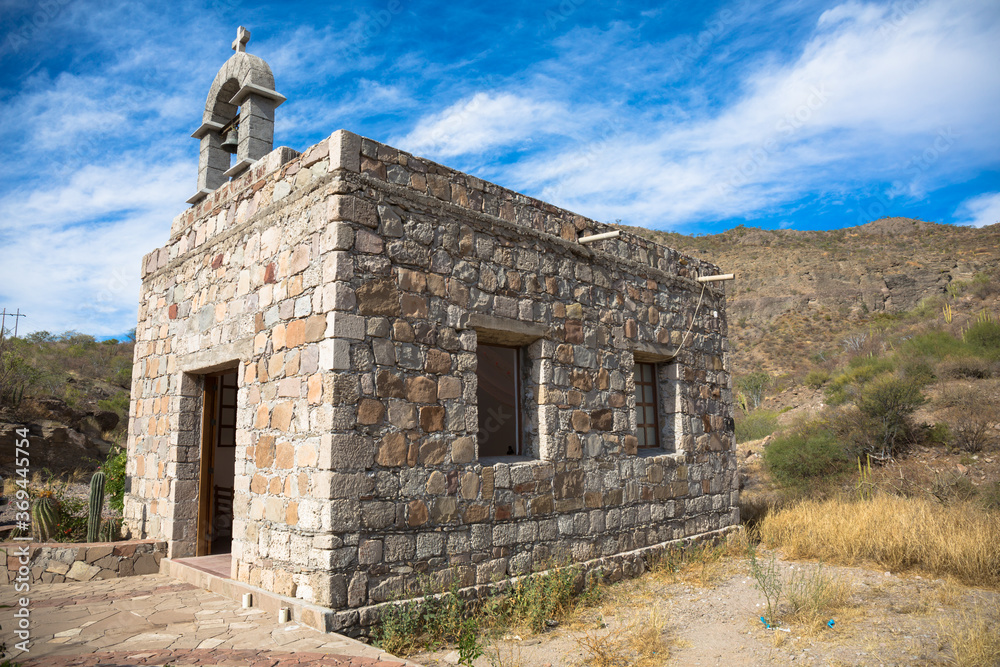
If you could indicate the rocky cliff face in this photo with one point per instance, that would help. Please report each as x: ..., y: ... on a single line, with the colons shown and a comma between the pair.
x: 808, y: 287
x: 61, y: 439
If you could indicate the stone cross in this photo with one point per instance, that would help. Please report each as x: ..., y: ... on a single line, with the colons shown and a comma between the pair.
x: 242, y: 37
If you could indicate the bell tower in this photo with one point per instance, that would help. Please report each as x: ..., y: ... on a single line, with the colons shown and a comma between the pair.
x: 238, y: 118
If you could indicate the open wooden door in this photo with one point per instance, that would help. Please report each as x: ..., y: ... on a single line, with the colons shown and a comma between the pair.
x: 218, y: 463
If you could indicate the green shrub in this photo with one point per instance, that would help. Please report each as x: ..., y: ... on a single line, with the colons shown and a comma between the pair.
x: 438, y: 619
x: 817, y: 378
x: 929, y: 307
x: 939, y: 434
x: 984, y: 337
x: 114, y: 473
x: 917, y: 371
x: 860, y: 370
x: 983, y: 285
x: 813, y: 451
x: 882, y: 427
x: 756, y: 425
x: 936, y: 345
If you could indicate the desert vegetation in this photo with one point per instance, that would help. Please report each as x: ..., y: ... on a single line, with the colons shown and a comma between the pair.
x: 70, y: 381
x: 71, y: 366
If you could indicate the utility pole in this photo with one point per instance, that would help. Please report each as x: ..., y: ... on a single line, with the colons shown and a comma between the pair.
x: 3, y: 321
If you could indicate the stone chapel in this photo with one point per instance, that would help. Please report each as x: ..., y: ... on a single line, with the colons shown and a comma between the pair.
x: 356, y: 369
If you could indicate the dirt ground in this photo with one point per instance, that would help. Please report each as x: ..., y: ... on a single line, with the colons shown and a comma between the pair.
x: 710, y: 615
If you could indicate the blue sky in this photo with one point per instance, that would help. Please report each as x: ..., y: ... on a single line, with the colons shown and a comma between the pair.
x: 694, y: 117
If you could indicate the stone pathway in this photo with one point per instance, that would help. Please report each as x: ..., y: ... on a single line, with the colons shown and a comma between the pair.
x: 156, y: 620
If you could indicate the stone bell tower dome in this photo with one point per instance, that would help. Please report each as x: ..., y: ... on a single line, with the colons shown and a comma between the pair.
x: 239, y: 115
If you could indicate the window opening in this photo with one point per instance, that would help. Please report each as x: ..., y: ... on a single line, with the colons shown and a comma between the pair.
x: 647, y: 423
x: 498, y: 395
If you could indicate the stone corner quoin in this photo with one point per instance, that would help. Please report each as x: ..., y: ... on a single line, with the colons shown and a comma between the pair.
x: 348, y: 288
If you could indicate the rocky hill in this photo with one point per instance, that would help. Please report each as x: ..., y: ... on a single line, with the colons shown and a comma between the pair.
x: 798, y: 294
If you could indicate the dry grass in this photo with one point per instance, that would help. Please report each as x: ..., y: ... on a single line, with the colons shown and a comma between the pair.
x: 815, y: 596
x: 640, y: 644
x: 504, y: 654
x: 897, y: 533
x: 973, y: 639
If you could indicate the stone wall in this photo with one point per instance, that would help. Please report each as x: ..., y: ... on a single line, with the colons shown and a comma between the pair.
x: 57, y: 562
x: 350, y: 287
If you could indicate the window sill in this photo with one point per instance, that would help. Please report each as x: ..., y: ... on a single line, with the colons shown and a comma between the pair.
x: 658, y: 453
x: 488, y: 461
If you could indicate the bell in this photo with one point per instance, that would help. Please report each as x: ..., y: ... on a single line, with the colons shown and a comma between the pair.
x: 230, y: 143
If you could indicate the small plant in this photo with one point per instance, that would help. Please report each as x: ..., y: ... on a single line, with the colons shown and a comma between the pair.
x: 767, y: 578
x: 939, y: 434
x: 948, y: 315
x: 111, y: 530
x: 469, y: 648
x: 864, y: 488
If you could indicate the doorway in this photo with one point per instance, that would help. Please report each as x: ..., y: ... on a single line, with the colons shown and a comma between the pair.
x: 218, y: 463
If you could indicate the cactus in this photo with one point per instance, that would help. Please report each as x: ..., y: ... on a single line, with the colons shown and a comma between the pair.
x: 44, y: 515
x: 111, y: 530
x: 96, y: 505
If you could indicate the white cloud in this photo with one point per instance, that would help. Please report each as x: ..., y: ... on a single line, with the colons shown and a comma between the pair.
x: 95, y: 192
x: 68, y: 271
x: 980, y: 211
x: 482, y: 122
x: 869, y: 97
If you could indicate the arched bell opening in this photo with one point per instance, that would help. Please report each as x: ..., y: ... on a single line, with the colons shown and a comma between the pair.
x: 227, y: 114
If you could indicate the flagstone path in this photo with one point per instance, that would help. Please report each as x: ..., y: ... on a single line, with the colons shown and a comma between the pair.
x: 156, y: 620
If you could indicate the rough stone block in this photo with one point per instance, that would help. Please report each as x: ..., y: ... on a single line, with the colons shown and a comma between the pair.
x: 351, y: 451
x: 345, y: 151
